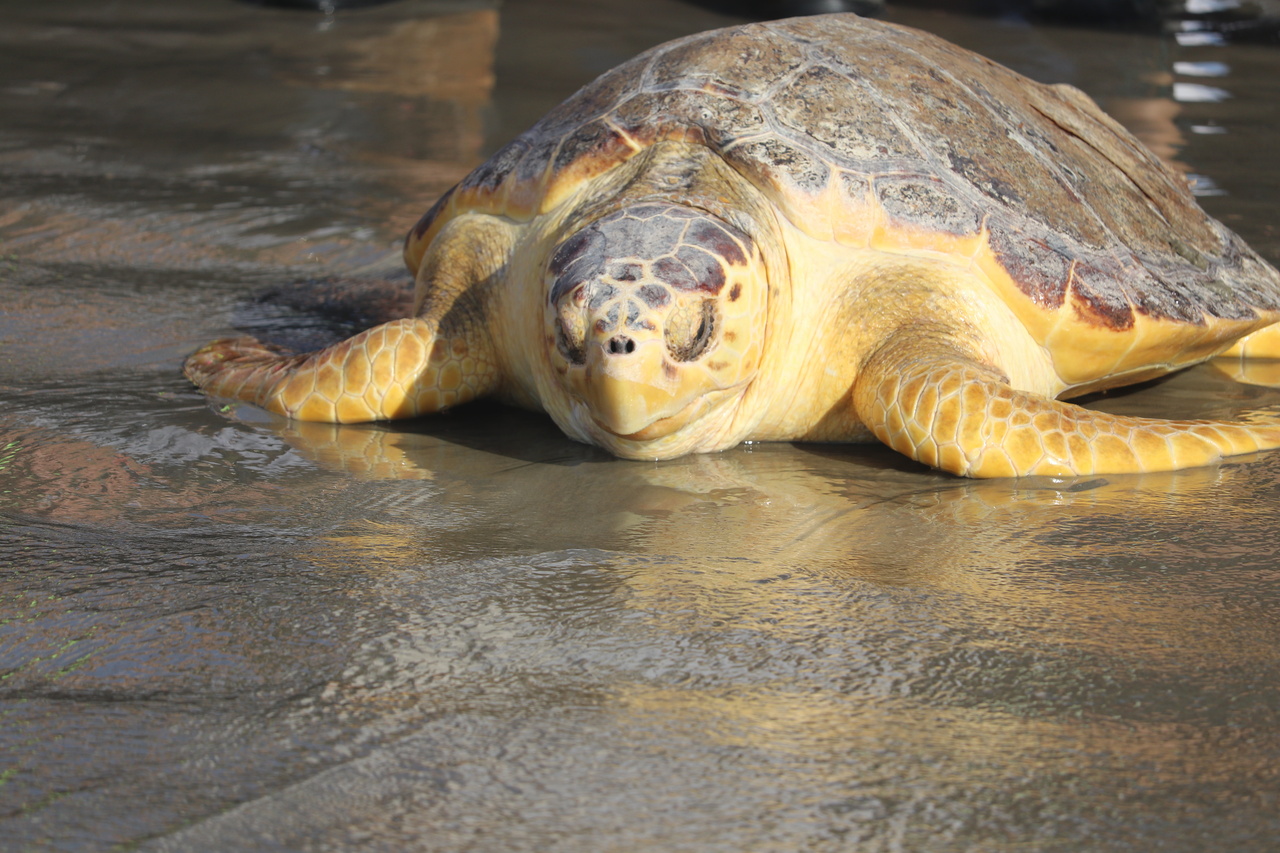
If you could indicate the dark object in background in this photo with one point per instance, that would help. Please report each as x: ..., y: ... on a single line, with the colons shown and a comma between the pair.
x: 327, y: 6
x: 1233, y: 20
x: 1073, y: 11
x: 1255, y: 21
x: 756, y: 8
x: 782, y: 8
x: 767, y: 9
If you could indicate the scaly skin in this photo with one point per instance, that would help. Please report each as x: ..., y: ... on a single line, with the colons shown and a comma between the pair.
x: 659, y: 314
x: 940, y: 408
x: 441, y: 357
x: 397, y: 370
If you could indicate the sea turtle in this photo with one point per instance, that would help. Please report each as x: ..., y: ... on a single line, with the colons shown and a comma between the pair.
x: 828, y: 229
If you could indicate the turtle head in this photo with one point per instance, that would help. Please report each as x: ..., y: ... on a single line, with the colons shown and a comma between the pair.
x: 657, y: 314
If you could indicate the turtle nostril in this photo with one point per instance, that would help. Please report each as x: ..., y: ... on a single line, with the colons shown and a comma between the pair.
x: 621, y: 345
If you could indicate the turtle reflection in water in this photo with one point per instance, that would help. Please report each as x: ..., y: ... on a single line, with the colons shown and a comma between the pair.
x: 826, y: 229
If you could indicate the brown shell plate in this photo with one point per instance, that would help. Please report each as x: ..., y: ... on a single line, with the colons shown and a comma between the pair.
x: 832, y: 114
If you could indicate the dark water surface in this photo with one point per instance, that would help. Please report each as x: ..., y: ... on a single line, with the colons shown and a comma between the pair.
x: 220, y: 631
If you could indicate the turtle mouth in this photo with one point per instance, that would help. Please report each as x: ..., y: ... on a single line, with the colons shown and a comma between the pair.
x: 662, y: 427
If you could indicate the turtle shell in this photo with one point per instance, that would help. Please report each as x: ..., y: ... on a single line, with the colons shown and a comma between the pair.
x: 881, y: 136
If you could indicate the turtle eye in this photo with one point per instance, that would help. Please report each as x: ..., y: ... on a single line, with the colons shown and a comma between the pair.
x: 570, y: 337
x: 689, y: 329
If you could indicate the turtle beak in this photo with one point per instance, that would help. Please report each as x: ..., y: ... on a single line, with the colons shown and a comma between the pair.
x: 633, y: 392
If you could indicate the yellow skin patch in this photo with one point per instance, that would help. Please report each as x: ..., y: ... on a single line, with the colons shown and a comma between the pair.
x: 423, y: 364
x: 666, y: 307
x: 397, y: 370
x: 1264, y: 343
x: 943, y: 411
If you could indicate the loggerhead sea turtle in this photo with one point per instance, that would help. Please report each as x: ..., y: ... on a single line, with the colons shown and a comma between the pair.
x: 823, y: 229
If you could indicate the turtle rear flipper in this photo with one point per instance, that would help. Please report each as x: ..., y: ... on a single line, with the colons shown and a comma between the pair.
x: 1264, y: 343
x: 949, y: 411
x: 396, y: 370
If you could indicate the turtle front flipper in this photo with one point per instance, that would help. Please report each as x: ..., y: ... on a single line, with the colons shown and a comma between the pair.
x: 396, y: 370
x: 942, y: 408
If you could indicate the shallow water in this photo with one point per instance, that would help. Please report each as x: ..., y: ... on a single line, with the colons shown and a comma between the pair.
x: 222, y: 631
